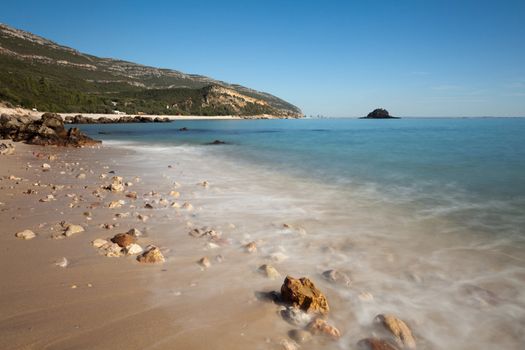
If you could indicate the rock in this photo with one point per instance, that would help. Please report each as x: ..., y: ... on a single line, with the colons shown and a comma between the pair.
x: 62, y: 263
x: 337, y: 277
x: 205, y: 184
x: 379, y: 113
x: 46, y: 166
x: 300, y: 336
x: 134, y: 232
x: 99, y: 242
x: 81, y: 176
x: 187, y: 206
x: 148, y: 206
x: 398, y: 328
x: 296, y: 316
x: 116, y: 184
x: 374, y: 344
x: 134, y: 249
x: 115, y: 204
x: 25, y: 234
x: 269, y: 271
x: 6, y: 149
x: 48, y: 130
x: 204, y: 262
x: 320, y: 326
x: 288, y: 345
x: 303, y: 294
x: 132, y: 195
x: 251, y: 247
x: 151, y: 256
x: 217, y: 142
x: 71, y: 229
x: 174, y: 194
x: 111, y: 250
x: 183, y: 129
x: 123, y: 239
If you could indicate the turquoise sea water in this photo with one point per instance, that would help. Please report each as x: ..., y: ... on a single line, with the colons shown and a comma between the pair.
x: 435, y: 164
x: 427, y: 216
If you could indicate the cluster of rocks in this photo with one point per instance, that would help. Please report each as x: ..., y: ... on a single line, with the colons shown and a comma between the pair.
x: 48, y: 130
x: 80, y: 119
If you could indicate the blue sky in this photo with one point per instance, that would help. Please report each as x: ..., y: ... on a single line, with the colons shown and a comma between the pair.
x: 335, y: 58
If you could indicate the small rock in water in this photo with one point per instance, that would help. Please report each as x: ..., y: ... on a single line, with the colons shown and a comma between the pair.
x: 134, y: 232
x: 134, y: 249
x: 336, y: 277
x: 398, y: 328
x: 123, y: 239
x: 46, y: 166
x: 148, y: 206
x: 142, y: 218
x: 132, y: 195
x: 99, y: 242
x: 81, y: 176
x: 375, y: 344
x: 204, y: 262
x: 25, y: 234
x: 71, y: 229
x: 205, y: 184
x: 151, y: 256
x: 296, y: 316
x: 365, y: 296
x: 62, y: 262
x: 269, y: 271
x: 304, y: 294
x: 187, y: 206
x: 320, y: 326
x: 174, y: 194
x: 300, y: 336
x: 251, y: 247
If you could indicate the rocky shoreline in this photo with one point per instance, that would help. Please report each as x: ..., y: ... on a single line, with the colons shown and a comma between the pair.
x: 46, y: 131
x: 80, y: 119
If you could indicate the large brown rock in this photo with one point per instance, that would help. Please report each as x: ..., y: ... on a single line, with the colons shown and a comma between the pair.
x: 399, y: 330
x: 123, y: 239
x: 303, y: 294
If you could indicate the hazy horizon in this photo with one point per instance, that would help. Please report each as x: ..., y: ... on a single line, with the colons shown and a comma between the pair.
x: 431, y: 59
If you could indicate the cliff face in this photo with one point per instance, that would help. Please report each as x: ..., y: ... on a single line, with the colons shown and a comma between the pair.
x: 38, y: 73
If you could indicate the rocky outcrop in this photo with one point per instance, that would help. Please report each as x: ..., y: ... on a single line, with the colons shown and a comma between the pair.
x: 379, y: 113
x: 303, y: 294
x: 48, y: 130
x: 80, y: 119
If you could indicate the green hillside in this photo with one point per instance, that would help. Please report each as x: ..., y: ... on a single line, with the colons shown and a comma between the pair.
x: 38, y: 73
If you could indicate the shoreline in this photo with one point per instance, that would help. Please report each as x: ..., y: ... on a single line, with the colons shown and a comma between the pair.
x: 36, y: 114
x: 393, y: 258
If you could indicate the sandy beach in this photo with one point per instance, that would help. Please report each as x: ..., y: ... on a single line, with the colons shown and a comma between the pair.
x: 90, y: 300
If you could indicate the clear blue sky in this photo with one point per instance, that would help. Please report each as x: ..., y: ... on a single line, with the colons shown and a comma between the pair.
x: 336, y: 58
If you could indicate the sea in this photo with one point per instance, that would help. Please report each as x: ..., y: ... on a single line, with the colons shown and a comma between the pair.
x: 425, y: 216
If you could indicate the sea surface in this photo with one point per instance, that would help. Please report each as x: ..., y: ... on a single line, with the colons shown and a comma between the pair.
x: 426, y: 216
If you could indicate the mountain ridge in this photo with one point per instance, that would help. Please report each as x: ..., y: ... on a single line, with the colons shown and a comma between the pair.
x: 36, y: 72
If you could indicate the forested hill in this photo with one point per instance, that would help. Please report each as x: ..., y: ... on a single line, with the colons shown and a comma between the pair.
x: 38, y: 73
